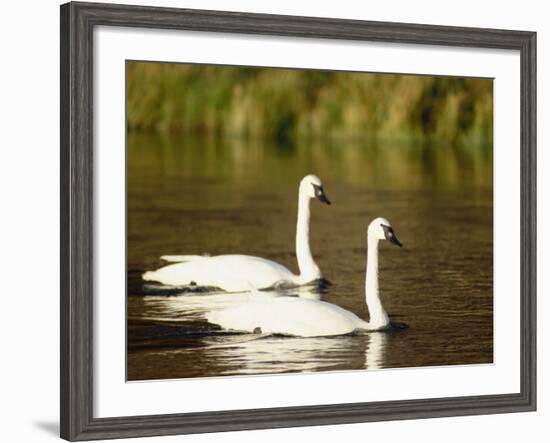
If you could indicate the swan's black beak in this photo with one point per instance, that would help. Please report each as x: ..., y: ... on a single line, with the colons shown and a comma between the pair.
x: 320, y: 194
x: 390, y: 235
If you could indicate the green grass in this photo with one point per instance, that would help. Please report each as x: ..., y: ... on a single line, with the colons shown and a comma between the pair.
x: 283, y: 104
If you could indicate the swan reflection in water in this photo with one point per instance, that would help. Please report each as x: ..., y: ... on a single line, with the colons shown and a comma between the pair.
x: 194, y: 307
x: 274, y: 354
x: 247, y: 353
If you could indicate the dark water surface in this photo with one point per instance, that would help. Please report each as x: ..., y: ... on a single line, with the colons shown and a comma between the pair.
x: 195, y: 196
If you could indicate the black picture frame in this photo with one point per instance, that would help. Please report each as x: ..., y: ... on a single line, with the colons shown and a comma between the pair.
x: 77, y: 23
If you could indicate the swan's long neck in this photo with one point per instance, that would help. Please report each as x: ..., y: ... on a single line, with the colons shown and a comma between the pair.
x: 378, y: 316
x: 308, y: 268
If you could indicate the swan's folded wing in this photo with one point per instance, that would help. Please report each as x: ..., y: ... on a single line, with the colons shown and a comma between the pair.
x: 287, y: 315
x: 182, y: 258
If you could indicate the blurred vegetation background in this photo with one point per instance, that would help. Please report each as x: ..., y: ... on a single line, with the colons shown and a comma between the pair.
x: 284, y: 104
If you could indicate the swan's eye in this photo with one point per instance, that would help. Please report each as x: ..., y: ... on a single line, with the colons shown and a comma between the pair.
x: 390, y: 235
x: 320, y: 193
x: 388, y: 231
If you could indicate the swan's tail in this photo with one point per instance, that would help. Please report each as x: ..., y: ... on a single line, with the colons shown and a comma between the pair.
x: 182, y: 258
x: 149, y: 276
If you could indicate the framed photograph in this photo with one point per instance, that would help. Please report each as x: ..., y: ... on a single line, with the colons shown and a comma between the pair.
x: 273, y: 221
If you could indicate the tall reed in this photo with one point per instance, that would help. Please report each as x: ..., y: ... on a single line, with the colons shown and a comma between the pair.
x: 285, y: 103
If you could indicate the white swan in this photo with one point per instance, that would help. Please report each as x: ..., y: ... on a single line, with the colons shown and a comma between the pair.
x: 313, y: 318
x: 239, y: 272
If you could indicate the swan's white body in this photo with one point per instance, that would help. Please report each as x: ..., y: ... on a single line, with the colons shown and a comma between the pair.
x: 228, y: 272
x: 290, y: 316
x: 311, y: 318
x: 235, y: 273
